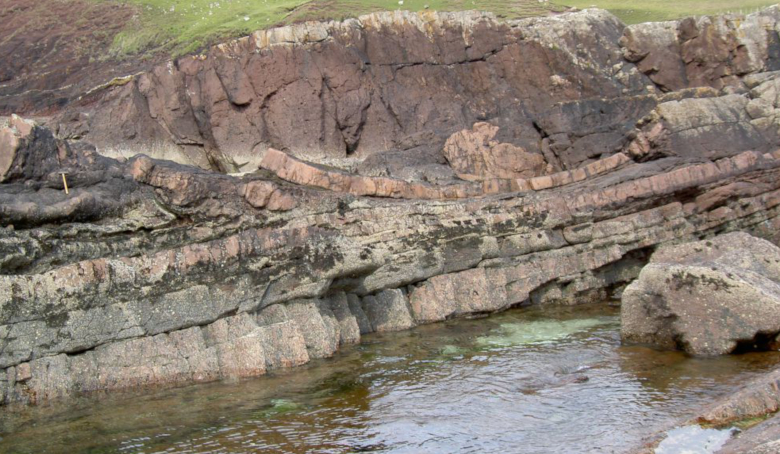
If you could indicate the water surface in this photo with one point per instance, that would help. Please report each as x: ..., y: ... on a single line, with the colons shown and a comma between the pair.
x: 530, y: 380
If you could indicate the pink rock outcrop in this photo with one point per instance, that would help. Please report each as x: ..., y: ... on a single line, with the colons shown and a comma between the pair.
x: 148, y: 272
x: 474, y: 154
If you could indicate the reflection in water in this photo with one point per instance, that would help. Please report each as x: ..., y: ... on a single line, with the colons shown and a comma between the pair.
x: 694, y: 440
x: 531, y: 381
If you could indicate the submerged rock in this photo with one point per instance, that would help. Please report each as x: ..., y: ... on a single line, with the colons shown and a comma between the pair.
x: 537, y: 332
x: 707, y: 298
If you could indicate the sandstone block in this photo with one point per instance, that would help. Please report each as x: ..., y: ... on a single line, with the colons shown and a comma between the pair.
x: 320, y: 334
x: 476, y: 153
x: 707, y: 298
x: 388, y: 310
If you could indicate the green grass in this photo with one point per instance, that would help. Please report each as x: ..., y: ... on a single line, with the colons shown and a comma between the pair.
x: 183, y: 26
x: 338, y: 9
x: 635, y: 12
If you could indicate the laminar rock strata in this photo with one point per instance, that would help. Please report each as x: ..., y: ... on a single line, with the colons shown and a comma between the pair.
x: 348, y: 218
x: 185, y: 279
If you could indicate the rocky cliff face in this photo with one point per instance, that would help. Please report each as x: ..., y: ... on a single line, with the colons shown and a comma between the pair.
x: 394, y: 86
x: 150, y: 272
x: 384, y: 82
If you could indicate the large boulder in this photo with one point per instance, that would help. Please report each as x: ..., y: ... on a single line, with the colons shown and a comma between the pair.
x: 708, y: 297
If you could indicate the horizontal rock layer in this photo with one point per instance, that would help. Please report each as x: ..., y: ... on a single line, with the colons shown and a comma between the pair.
x: 295, y: 171
x: 276, y: 288
x: 149, y: 272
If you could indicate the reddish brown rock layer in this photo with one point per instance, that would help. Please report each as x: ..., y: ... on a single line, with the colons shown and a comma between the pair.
x: 355, y: 88
x: 712, y: 51
x: 565, y: 90
x: 296, y: 171
x: 246, y: 291
x: 149, y: 272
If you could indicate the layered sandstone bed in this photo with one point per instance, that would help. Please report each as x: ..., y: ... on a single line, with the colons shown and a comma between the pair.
x: 495, y: 164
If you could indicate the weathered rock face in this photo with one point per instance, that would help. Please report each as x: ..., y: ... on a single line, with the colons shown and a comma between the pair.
x: 150, y: 272
x: 355, y: 88
x: 706, y: 297
x: 193, y: 276
x: 710, y: 51
x: 563, y: 91
x: 476, y: 155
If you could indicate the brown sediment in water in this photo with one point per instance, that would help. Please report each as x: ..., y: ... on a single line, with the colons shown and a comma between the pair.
x: 439, y: 387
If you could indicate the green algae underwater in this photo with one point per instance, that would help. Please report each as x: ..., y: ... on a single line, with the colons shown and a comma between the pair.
x: 553, y: 380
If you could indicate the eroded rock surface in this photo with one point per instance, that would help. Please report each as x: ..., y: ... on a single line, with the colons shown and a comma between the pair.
x: 563, y: 91
x: 712, y: 51
x: 150, y: 272
x: 190, y: 275
x: 476, y: 155
x: 707, y: 297
x: 356, y: 88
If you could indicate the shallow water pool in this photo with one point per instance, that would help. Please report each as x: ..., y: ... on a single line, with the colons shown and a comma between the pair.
x: 530, y: 380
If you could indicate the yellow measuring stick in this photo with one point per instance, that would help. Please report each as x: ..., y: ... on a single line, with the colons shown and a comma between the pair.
x: 64, y: 182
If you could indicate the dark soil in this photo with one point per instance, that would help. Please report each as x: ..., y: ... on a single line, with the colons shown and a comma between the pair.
x: 51, y: 51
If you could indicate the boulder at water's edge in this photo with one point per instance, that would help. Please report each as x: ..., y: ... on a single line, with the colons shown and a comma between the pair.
x: 707, y: 297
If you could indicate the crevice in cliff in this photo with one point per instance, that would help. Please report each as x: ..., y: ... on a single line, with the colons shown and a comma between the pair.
x: 398, y: 66
x: 393, y: 114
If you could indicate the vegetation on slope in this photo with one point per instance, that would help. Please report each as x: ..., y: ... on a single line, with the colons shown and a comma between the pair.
x: 634, y: 12
x: 183, y: 26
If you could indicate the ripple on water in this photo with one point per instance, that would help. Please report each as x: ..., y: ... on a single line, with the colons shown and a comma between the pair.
x: 531, y: 380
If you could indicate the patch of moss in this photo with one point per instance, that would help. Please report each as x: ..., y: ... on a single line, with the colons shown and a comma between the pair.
x: 684, y: 279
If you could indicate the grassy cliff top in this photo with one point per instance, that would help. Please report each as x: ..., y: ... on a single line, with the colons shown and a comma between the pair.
x: 183, y: 26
